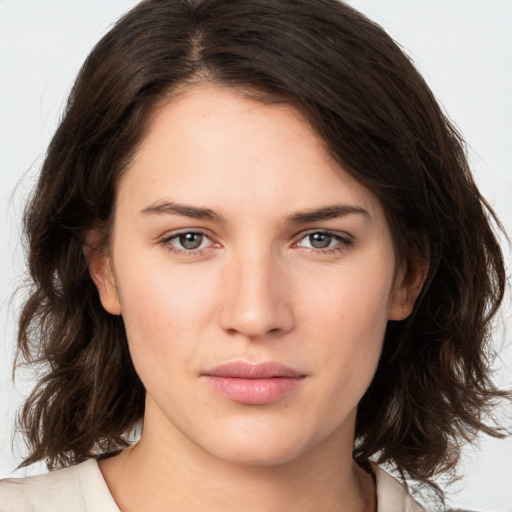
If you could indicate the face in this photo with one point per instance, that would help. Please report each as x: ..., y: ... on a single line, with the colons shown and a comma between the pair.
x: 255, y: 278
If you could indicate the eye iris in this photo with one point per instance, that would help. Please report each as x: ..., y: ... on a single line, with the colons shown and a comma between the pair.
x: 320, y: 240
x: 191, y: 240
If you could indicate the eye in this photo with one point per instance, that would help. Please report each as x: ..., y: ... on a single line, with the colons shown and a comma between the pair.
x: 187, y: 241
x: 319, y: 240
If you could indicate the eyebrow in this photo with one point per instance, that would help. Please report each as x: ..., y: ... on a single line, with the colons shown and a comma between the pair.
x: 193, y: 212
x: 328, y: 212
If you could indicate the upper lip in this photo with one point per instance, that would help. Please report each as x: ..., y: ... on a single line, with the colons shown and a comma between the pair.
x: 245, y: 370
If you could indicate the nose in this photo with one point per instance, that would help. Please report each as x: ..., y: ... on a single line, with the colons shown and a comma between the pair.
x: 254, y: 298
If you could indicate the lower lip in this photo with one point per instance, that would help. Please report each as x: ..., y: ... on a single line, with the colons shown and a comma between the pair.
x: 254, y: 391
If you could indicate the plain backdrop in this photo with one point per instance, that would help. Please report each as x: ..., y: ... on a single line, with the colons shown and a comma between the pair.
x: 462, y: 47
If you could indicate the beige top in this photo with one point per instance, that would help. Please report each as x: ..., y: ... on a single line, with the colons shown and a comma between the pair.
x: 81, y: 488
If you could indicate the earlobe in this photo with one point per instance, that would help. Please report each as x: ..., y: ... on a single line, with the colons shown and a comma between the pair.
x: 101, y: 273
x: 407, y: 288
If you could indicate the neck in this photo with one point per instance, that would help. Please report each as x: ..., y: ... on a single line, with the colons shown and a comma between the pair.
x: 171, y: 473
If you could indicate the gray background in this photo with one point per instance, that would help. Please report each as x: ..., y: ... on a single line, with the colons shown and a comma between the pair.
x: 462, y: 47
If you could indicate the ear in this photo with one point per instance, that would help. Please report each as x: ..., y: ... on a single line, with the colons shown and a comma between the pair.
x: 408, y: 285
x: 102, y: 275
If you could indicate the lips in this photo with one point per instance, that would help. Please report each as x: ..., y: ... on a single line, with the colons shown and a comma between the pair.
x: 254, y: 384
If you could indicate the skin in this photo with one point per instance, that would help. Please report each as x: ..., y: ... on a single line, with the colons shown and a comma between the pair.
x: 256, y: 290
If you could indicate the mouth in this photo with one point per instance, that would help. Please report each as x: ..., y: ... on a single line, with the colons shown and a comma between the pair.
x: 254, y: 384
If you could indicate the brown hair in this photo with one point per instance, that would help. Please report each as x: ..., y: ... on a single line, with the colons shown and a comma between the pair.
x: 379, y: 119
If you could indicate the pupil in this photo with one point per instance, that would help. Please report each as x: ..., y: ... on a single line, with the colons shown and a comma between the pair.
x: 191, y: 240
x: 320, y: 240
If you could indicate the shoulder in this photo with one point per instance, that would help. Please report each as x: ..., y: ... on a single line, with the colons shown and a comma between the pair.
x: 391, y: 496
x: 79, y: 488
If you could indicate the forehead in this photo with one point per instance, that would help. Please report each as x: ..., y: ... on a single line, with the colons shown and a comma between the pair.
x: 214, y: 147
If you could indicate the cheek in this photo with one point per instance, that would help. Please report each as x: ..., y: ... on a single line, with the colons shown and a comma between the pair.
x: 346, y: 316
x: 165, y: 313
x: 351, y: 301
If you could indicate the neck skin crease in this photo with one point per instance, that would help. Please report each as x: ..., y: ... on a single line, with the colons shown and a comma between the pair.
x: 146, y: 477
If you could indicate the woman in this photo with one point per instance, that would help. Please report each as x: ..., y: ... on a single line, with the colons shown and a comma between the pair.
x: 256, y: 237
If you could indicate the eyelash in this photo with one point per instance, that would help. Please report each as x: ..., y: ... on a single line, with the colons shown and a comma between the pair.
x: 344, y: 242
x: 166, y: 242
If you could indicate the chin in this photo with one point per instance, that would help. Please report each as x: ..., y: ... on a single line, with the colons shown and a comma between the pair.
x: 261, y: 457
x: 260, y: 450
